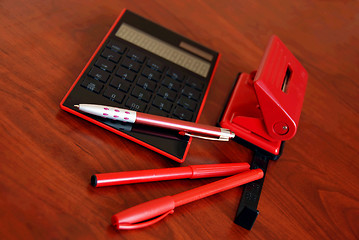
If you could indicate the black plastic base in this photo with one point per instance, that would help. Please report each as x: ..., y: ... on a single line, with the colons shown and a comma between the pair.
x: 247, y: 210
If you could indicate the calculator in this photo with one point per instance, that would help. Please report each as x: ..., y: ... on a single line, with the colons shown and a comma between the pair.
x: 144, y: 67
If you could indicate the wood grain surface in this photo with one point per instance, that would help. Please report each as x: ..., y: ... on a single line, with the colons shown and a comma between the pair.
x: 47, y: 155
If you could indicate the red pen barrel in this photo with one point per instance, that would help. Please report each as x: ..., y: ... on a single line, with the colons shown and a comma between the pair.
x: 218, y: 186
x: 179, y: 125
x: 152, y: 175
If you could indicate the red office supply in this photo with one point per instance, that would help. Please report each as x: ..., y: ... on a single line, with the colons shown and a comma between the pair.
x: 139, y: 216
x: 152, y: 175
x: 183, y: 127
x: 265, y: 106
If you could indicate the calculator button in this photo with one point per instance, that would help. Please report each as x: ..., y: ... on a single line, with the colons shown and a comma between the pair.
x: 99, y: 74
x: 114, y: 95
x: 171, y: 84
x: 156, y: 65
x: 105, y: 64
x: 195, y: 83
x: 166, y: 93
x: 157, y: 111
x: 92, y: 85
x: 111, y: 55
x: 151, y: 74
x: 162, y: 104
x: 126, y: 74
x: 135, y: 104
x: 182, y: 113
x: 175, y: 74
x: 187, y: 103
x: 116, y: 46
x: 120, y: 84
x: 141, y: 94
x: 191, y: 93
x: 132, y: 65
x: 146, y: 83
x: 136, y: 56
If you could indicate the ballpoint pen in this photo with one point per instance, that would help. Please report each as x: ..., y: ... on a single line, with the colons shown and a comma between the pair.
x: 153, y: 211
x: 151, y: 175
x: 183, y: 127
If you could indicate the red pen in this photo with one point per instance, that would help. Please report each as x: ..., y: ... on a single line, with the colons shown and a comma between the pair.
x: 183, y: 127
x: 153, y: 211
x: 194, y: 171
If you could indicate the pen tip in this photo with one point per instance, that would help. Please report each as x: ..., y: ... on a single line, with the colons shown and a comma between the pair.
x: 76, y: 106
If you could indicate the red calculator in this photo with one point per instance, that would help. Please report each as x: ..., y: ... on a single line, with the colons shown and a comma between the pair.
x: 142, y: 66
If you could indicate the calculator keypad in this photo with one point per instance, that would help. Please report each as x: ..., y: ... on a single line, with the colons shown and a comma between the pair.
x: 136, y: 81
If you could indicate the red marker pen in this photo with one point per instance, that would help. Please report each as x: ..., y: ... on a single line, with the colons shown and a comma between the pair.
x: 152, y: 175
x: 153, y: 211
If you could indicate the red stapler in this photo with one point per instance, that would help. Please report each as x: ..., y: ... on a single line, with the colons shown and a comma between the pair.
x: 265, y: 105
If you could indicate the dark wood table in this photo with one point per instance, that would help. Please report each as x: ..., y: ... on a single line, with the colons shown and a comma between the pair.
x: 48, y: 155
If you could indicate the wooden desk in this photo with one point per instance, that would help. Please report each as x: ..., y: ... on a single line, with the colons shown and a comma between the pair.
x: 48, y: 155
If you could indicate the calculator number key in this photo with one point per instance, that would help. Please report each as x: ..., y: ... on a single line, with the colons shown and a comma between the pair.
x: 126, y: 74
x: 141, y: 94
x: 131, y: 65
x: 114, y: 95
x: 171, y: 84
x: 146, y: 84
x: 162, y: 104
x: 135, y: 104
x: 120, y: 84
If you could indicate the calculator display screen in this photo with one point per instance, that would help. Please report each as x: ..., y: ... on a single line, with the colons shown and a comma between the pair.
x: 163, y: 49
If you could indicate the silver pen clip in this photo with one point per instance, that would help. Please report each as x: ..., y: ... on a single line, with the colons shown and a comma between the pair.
x: 224, y: 138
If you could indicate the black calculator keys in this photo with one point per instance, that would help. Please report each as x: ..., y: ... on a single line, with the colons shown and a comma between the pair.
x: 116, y: 46
x: 175, y: 74
x: 195, y: 83
x: 105, y: 64
x: 182, y: 113
x: 157, y: 111
x: 120, y: 84
x: 99, y: 74
x: 111, y: 55
x: 126, y: 74
x: 171, y: 84
x: 146, y: 83
x: 131, y: 65
x: 151, y: 74
x: 92, y: 85
x: 114, y: 95
x: 191, y: 93
x: 141, y: 94
x: 187, y: 103
x: 141, y: 83
x: 136, y: 56
x: 156, y: 65
x: 167, y: 93
x: 135, y: 104
x: 162, y: 104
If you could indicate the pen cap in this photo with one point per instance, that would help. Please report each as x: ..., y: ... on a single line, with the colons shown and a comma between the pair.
x: 218, y: 170
x: 143, y: 212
